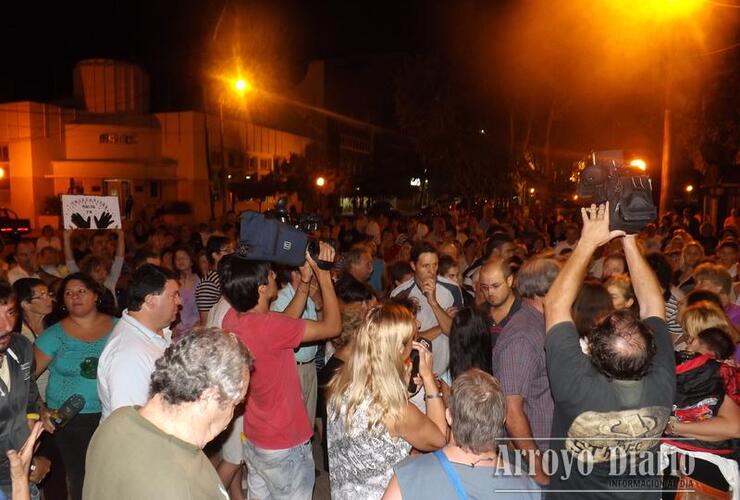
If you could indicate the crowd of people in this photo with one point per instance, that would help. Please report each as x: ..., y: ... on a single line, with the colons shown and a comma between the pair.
x: 463, y: 353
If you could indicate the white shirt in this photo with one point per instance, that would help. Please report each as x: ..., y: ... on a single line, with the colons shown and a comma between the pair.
x: 127, y: 362
x: 427, y: 319
x: 17, y: 273
x: 217, y: 313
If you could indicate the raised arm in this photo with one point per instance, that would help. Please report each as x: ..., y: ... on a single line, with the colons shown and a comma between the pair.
x: 644, y: 282
x: 425, y: 432
x: 297, y: 305
x: 121, y: 247
x: 69, y: 256
x: 331, y: 322
x: 564, y: 290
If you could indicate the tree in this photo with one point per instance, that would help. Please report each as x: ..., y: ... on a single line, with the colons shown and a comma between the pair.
x: 457, y: 154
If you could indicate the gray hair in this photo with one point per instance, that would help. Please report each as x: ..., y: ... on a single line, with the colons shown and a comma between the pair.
x: 202, y: 359
x: 536, y: 276
x: 478, y: 408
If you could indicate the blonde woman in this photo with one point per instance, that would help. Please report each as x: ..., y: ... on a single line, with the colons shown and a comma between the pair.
x: 620, y: 289
x: 691, y: 255
x: 371, y: 424
x: 702, y: 315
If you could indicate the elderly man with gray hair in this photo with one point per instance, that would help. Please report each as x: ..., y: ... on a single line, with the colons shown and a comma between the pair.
x: 519, y: 364
x: 155, y: 451
x: 470, y: 465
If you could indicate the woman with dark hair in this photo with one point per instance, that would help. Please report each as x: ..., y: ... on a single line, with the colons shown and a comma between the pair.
x: 671, y: 295
x: 70, y: 350
x: 470, y: 343
x: 592, y: 303
x: 185, y: 267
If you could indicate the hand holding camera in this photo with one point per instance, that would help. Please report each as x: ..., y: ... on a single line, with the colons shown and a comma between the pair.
x: 596, y: 225
x: 325, y: 256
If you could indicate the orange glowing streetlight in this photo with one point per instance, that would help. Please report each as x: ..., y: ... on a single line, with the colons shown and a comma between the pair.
x: 689, y: 188
x: 639, y: 164
x: 242, y: 86
x: 320, y: 181
x: 531, y: 190
x: 2, y: 173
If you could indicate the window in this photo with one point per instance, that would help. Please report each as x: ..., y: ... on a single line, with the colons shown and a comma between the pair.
x: 154, y: 189
x: 4, y: 152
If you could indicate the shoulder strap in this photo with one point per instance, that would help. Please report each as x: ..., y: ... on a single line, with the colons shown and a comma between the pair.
x: 403, y: 294
x: 457, y: 296
x: 452, y: 476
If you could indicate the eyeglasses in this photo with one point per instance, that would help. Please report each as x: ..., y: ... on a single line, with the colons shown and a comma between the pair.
x: 487, y: 288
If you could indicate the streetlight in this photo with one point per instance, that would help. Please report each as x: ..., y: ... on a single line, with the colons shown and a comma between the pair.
x: 639, y: 164
x: 242, y: 86
x: 531, y: 190
x: 320, y: 181
x: 689, y: 188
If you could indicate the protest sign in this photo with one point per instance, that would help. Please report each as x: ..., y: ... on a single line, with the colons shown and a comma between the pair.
x: 91, y: 212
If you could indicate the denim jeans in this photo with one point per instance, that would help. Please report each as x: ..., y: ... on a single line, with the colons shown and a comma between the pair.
x: 279, y: 474
x: 33, y: 492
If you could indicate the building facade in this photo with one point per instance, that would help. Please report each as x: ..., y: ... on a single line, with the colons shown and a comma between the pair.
x: 110, y: 144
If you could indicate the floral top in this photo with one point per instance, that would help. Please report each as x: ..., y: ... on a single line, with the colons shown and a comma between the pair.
x: 361, y: 461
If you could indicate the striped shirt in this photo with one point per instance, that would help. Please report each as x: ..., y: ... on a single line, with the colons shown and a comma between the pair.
x: 208, y: 291
x: 671, y: 316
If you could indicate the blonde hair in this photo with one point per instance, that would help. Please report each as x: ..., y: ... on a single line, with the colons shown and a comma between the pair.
x: 624, y: 284
x: 375, y: 368
x: 690, y: 244
x: 704, y: 314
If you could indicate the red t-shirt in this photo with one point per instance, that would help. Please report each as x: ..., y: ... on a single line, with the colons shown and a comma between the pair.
x: 275, y: 417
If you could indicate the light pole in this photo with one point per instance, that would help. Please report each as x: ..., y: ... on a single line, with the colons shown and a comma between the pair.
x: 241, y: 86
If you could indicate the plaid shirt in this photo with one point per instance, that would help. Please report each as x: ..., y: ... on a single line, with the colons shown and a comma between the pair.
x: 519, y: 365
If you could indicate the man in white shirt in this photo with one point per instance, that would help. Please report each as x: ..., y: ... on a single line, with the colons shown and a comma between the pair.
x: 572, y: 234
x: 435, y: 296
x: 139, y: 339
x: 25, y: 251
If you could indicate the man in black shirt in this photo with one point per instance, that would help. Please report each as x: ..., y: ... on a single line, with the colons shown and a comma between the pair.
x: 613, y: 389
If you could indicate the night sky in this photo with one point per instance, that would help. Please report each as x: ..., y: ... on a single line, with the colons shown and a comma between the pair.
x: 171, y: 39
x: 598, y: 72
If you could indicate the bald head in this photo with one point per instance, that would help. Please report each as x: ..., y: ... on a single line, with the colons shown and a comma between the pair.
x: 494, y: 266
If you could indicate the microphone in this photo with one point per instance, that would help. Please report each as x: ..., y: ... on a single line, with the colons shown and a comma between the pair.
x: 69, y: 409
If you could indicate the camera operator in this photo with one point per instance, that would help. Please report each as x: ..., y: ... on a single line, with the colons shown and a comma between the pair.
x: 277, y: 449
x: 625, y: 382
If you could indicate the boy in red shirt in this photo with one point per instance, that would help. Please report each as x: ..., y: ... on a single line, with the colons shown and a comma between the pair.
x: 277, y: 449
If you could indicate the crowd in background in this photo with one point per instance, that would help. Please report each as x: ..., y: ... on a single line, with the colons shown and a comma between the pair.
x: 544, y: 332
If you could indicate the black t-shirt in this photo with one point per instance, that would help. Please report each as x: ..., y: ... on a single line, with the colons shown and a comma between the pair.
x: 606, y: 418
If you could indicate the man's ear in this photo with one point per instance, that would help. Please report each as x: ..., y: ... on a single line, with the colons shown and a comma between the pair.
x: 149, y: 300
x: 413, y: 265
x: 510, y: 281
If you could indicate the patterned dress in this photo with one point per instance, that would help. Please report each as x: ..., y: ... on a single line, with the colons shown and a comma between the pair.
x: 361, y: 461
